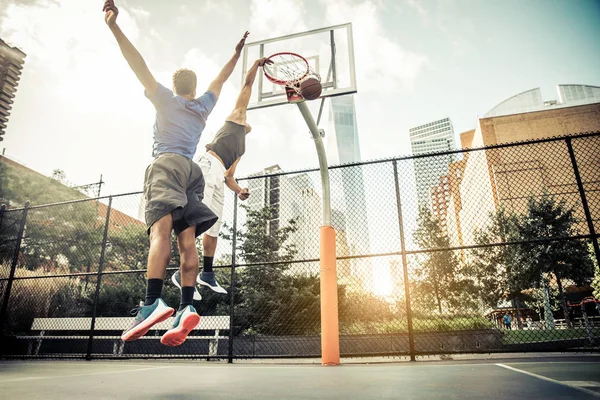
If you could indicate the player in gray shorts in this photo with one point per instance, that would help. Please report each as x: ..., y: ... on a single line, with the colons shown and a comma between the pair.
x: 173, y: 185
x: 218, y: 166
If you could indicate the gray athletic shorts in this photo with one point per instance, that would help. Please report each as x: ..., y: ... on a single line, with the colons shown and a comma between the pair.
x: 174, y: 184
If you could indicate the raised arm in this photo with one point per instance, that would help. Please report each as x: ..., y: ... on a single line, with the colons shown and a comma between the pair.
x: 217, y: 84
x: 244, y: 96
x: 133, y: 57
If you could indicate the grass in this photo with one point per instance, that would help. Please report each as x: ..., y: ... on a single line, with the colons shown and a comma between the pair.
x: 441, y: 324
x: 547, y: 335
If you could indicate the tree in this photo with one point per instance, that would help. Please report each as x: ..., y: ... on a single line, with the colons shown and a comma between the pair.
x: 271, y: 300
x: 438, y: 273
x: 66, y: 237
x: 9, y: 221
x: 498, y: 270
x: 59, y: 175
x: 564, y: 259
x: 596, y: 281
x: 3, y: 184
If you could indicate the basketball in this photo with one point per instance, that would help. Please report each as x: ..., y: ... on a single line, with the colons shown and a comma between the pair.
x: 311, y: 89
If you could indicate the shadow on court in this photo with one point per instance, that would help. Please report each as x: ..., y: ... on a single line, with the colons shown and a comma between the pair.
x: 564, y: 378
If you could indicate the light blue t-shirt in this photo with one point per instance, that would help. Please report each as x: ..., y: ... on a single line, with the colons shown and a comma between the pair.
x: 179, y: 122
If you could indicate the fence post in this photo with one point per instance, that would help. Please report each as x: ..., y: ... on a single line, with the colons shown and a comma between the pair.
x: 232, y: 285
x: 411, y: 335
x: 98, y: 280
x: 13, y: 268
x: 2, y: 212
x: 586, y: 209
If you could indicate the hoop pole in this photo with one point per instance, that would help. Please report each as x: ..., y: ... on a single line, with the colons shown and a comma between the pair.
x: 330, y: 335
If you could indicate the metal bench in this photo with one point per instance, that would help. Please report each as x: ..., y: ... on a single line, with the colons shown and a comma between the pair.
x: 46, y: 325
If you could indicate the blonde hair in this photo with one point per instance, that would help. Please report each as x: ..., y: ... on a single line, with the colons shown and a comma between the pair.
x: 184, y: 81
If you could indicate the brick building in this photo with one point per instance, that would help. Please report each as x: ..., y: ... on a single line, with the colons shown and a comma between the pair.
x: 484, y: 180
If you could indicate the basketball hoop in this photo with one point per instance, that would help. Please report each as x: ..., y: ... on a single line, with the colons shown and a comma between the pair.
x: 289, y: 70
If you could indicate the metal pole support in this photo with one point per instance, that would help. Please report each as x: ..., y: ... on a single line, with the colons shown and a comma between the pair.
x: 411, y: 334
x: 13, y: 268
x: 98, y: 281
x: 232, y: 286
x: 330, y: 335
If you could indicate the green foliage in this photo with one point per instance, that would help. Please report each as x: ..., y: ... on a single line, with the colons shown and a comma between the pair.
x: 596, y: 281
x: 362, y: 307
x: 547, y: 335
x: 21, y: 184
x: 270, y: 299
x: 66, y: 238
x: 128, y: 248
x: 438, y: 280
x: 505, y: 271
x: 400, y: 325
x: 3, y: 183
x: 498, y: 270
x: 118, y: 295
x: 10, y: 221
x: 33, y: 298
x: 565, y: 259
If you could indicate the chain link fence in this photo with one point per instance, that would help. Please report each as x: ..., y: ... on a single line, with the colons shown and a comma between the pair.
x: 480, y: 250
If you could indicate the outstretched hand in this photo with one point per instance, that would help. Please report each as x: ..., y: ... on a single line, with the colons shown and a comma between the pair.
x: 111, y: 11
x: 262, y: 61
x: 241, y: 43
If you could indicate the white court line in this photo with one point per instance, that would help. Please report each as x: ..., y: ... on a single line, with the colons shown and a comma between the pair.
x: 32, y: 378
x: 544, y: 378
x: 583, y: 383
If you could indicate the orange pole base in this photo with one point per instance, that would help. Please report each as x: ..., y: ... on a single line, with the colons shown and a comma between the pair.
x: 330, y: 333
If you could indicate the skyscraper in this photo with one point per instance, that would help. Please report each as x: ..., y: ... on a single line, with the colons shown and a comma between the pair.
x: 432, y: 137
x: 11, y: 64
x: 292, y: 197
x: 343, y: 147
x: 266, y: 192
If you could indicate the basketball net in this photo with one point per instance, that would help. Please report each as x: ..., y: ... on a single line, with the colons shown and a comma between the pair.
x: 290, y: 70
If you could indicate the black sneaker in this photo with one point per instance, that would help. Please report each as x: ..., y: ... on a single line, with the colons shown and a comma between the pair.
x: 208, y: 279
x: 176, y: 279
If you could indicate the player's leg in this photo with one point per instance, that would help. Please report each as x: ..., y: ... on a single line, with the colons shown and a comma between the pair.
x: 207, y: 277
x: 207, y: 196
x: 186, y: 319
x: 154, y: 309
x: 214, y: 198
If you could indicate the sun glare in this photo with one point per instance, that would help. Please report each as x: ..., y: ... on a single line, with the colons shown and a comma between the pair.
x: 382, y: 282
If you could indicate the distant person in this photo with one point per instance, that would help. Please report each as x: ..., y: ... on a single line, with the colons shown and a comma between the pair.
x: 173, y: 184
x: 218, y: 165
x: 506, y: 320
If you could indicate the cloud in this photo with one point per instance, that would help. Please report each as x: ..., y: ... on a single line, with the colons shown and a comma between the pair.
x: 420, y: 8
x: 381, y: 61
x: 273, y: 18
x: 221, y: 10
x: 80, y: 90
x: 455, y: 27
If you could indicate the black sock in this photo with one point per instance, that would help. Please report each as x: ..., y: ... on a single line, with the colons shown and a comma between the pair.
x: 153, y: 291
x: 207, y: 264
x: 187, y: 297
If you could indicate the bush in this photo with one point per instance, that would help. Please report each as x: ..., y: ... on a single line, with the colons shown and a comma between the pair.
x: 33, y: 298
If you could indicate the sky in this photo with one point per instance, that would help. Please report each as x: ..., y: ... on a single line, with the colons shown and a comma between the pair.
x: 80, y: 109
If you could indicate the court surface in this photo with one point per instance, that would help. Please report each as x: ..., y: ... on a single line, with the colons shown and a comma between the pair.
x: 536, y: 378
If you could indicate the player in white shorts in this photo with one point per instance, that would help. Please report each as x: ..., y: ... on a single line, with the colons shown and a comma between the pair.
x: 218, y: 167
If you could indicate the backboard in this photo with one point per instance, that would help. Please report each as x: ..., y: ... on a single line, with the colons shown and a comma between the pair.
x: 329, y: 51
